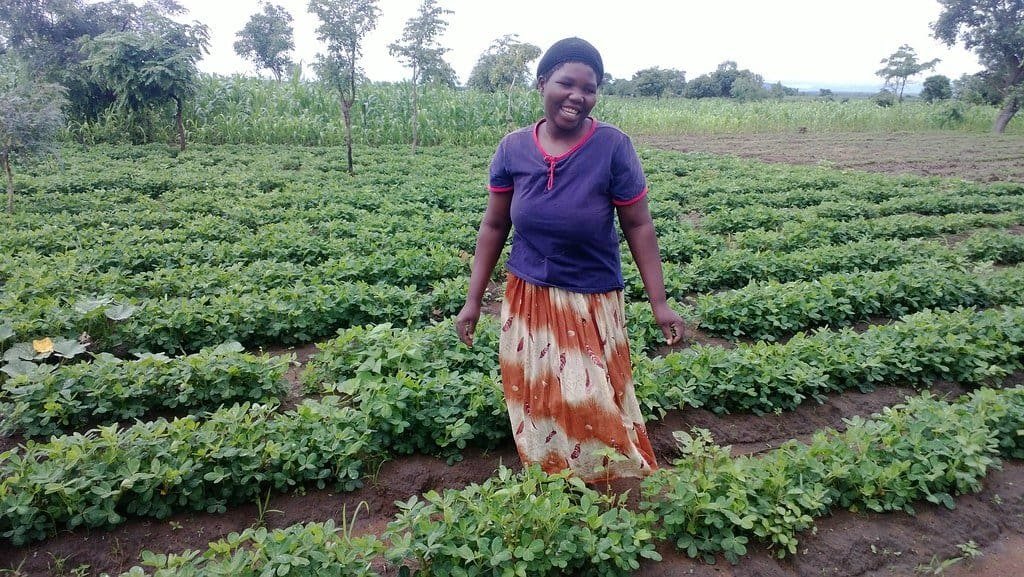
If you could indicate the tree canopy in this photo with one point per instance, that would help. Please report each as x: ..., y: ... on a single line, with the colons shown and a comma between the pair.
x: 504, y: 66
x: 418, y: 48
x: 994, y: 30
x: 901, y: 66
x: 658, y: 82
x: 937, y: 87
x: 722, y: 83
x: 267, y: 38
x: 151, y: 65
x: 47, y: 35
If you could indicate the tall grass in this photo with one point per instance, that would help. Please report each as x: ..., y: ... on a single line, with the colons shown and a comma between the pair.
x: 245, y: 110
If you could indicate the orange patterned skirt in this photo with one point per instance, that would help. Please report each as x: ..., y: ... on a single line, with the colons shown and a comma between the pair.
x: 568, y: 383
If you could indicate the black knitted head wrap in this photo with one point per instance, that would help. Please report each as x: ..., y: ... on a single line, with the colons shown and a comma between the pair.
x: 571, y: 50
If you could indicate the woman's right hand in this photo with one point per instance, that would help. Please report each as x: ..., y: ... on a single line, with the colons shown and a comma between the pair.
x: 465, y: 322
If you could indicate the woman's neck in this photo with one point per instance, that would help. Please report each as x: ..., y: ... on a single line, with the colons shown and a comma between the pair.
x: 557, y: 142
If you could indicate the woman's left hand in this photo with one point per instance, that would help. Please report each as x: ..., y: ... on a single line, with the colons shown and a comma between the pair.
x: 672, y: 325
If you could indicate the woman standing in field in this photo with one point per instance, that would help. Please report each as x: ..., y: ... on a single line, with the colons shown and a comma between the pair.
x: 564, y: 356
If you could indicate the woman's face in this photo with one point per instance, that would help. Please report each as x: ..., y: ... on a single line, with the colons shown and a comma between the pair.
x: 570, y: 93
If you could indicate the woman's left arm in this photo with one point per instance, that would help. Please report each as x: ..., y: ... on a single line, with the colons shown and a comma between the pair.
x: 638, y: 228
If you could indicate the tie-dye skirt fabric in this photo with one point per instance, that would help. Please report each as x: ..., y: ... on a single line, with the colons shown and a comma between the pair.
x: 568, y: 383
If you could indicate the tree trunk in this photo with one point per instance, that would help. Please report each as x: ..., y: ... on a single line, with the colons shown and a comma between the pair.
x: 1006, y: 114
x: 1014, y: 96
x: 508, y: 111
x: 346, y: 113
x: 181, y: 124
x: 415, y: 119
x: 346, y: 103
x: 5, y: 160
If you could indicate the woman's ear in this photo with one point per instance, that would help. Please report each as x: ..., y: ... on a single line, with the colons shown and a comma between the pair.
x: 540, y: 84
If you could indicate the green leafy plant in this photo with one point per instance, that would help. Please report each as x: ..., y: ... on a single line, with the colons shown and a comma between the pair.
x: 153, y: 469
x: 51, y: 399
x: 709, y: 503
x: 526, y: 524
x: 422, y: 390
x: 302, y: 551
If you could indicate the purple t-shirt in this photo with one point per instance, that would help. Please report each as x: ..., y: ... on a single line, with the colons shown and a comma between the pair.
x: 563, y: 207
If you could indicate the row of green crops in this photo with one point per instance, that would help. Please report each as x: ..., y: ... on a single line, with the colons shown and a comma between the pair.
x: 241, y: 110
x: 144, y: 251
x: 771, y: 309
x: 372, y: 364
x: 737, y: 219
x: 707, y: 503
x: 817, y: 232
x: 229, y: 456
x: 53, y: 399
x: 275, y: 245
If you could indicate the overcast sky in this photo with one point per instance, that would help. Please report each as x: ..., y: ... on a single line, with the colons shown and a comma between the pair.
x: 806, y: 44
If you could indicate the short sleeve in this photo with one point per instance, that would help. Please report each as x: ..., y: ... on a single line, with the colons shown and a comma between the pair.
x: 628, y: 183
x: 500, y: 178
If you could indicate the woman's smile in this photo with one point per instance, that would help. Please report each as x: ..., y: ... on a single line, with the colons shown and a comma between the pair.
x: 570, y: 93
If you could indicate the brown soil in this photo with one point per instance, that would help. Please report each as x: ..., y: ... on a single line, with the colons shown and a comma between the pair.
x: 843, y: 544
x: 975, y: 157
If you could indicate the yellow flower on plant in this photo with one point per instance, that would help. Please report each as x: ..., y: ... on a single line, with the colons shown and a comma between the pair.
x: 41, y: 346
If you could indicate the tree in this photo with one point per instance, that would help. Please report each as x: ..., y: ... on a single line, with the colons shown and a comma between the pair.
x: 722, y: 83
x: 703, y: 86
x: 418, y: 50
x: 30, y: 119
x: 936, y: 87
x: 726, y: 73
x: 343, y: 26
x: 994, y: 30
x: 504, y: 66
x: 980, y: 88
x: 267, y: 39
x: 151, y: 65
x: 617, y: 86
x: 884, y: 98
x: 901, y: 66
x: 659, y: 82
x: 748, y: 87
x: 777, y: 91
x: 441, y: 74
x: 46, y: 34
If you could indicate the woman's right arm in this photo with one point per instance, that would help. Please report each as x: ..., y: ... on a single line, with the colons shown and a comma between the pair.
x: 494, y: 229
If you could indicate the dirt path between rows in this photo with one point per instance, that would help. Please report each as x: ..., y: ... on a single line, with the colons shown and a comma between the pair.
x: 983, y: 536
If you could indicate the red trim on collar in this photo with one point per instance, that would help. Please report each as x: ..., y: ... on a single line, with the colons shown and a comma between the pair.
x: 551, y: 160
x: 574, y: 148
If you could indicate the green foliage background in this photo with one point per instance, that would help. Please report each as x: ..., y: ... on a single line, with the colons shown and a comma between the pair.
x: 243, y: 110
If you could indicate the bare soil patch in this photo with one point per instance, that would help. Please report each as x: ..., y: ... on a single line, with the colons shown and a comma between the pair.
x: 973, y: 157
